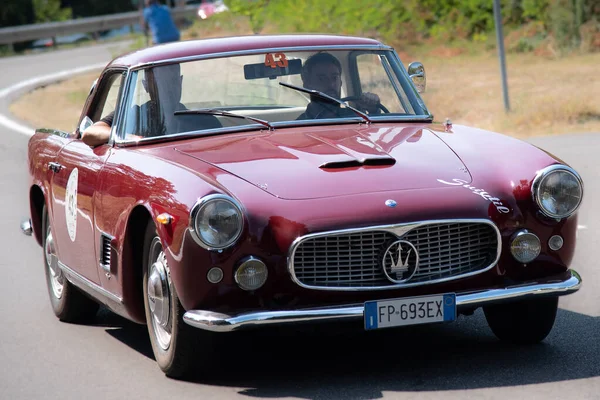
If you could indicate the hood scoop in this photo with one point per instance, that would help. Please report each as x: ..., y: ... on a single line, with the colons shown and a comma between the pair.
x: 358, y: 163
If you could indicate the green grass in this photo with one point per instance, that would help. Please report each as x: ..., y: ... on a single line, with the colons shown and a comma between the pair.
x: 78, y: 96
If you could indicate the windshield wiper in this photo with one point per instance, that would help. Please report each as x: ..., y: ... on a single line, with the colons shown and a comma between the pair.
x: 328, y: 97
x: 212, y: 111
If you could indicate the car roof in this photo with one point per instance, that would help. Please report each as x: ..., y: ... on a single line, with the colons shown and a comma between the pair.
x: 192, y: 48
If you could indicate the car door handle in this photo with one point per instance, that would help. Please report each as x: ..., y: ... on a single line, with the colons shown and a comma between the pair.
x: 55, y: 167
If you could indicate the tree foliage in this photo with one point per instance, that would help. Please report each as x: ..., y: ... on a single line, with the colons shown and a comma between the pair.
x: 253, y: 9
x: 16, y: 12
x: 389, y: 20
x: 50, y: 10
x: 412, y: 20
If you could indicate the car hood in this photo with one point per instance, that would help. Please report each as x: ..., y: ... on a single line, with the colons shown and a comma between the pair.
x: 295, y: 164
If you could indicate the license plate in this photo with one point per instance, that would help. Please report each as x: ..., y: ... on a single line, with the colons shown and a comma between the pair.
x: 410, y: 311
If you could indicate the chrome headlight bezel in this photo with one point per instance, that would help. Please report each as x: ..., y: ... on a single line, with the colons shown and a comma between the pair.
x: 541, y: 177
x: 201, y: 205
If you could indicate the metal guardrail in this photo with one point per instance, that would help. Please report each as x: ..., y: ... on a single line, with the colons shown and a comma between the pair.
x: 24, y: 33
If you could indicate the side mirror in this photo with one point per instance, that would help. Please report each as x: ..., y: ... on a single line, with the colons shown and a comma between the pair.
x: 85, y: 123
x: 416, y: 71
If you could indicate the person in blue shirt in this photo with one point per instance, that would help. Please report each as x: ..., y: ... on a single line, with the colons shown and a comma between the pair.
x: 158, y: 18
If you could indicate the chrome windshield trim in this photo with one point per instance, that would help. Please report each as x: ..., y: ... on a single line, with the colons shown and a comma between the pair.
x: 88, y: 286
x: 259, y: 127
x: 558, y: 285
x: 259, y: 51
x: 117, y: 134
x: 398, y: 230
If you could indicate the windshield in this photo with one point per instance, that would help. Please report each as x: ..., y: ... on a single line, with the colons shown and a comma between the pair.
x: 273, y: 89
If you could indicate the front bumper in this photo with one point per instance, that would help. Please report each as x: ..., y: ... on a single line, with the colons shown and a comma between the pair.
x: 557, y: 285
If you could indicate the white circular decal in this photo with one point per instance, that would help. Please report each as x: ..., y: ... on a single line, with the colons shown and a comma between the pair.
x: 71, y: 204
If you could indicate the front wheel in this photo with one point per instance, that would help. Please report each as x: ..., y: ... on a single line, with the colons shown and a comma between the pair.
x: 68, y: 303
x: 522, y: 322
x: 174, y: 343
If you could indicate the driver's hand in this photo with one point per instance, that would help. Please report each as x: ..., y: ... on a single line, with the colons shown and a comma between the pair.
x: 368, y: 102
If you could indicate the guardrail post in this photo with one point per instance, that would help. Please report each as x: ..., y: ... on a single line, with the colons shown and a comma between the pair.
x: 501, y: 53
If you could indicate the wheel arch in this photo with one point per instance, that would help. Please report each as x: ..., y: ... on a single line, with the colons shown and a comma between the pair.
x: 132, y: 264
x: 37, y: 200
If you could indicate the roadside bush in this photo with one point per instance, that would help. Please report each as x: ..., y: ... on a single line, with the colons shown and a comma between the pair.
x: 590, y: 36
x: 527, y: 38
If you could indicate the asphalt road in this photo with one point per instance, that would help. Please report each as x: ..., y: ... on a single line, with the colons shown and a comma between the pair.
x: 45, y: 359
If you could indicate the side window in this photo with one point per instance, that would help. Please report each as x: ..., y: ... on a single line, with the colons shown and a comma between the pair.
x: 113, y: 95
x: 107, y: 97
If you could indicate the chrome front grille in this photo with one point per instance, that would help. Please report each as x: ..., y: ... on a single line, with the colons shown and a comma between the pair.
x: 353, y: 260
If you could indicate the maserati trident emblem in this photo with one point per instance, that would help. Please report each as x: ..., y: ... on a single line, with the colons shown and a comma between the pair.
x: 400, y: 261
x: 399, y: 265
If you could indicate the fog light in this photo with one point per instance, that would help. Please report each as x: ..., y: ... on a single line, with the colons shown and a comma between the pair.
x: 251, y: 274
x: 556, y: 242
x: 525, y: 246
x: 214, y: 275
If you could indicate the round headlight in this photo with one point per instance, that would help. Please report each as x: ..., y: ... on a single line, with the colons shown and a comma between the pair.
x: 525, y: 246
x: 558, y: 191
x: 251, y: 274
x: 556, y: 242
x: 216, y: 222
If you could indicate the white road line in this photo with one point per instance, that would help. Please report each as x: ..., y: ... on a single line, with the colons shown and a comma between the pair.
x: 15, y: 126
x: 35, y: 82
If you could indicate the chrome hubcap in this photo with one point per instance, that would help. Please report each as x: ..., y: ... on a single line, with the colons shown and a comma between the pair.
x: 57, y: 278
x: 159, y: 295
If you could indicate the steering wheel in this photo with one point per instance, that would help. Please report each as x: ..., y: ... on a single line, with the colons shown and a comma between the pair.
x: 357, y: 98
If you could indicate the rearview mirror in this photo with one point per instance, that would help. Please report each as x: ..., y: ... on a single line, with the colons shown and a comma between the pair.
x: 416, y: 71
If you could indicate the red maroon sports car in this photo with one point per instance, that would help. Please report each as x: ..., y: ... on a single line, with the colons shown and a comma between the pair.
x: 263, y: 180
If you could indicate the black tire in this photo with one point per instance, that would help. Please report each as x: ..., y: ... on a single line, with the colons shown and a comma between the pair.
x: 68, y: 303
x: 523, y: 322
x: 174, y: 343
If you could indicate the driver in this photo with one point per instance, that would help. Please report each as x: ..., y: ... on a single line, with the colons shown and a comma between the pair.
x: 323, y: 72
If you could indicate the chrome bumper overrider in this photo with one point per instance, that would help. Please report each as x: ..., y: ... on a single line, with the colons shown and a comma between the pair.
x: 558, y: 285
x: 26, y: 227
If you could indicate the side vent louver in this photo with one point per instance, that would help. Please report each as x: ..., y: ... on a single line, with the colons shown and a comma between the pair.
x: 105, y: 253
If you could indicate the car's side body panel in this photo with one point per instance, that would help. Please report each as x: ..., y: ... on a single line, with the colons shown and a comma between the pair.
x: 74, y: 199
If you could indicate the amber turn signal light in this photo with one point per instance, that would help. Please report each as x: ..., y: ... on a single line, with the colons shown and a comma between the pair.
x: 164, y: 219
